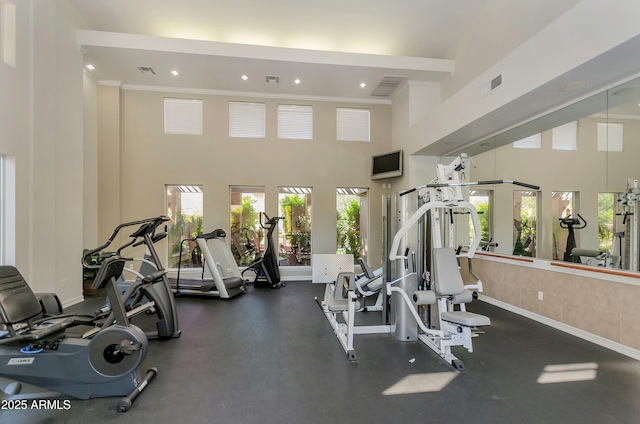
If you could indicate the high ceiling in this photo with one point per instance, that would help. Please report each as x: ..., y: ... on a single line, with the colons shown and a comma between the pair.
x: 331, y: 46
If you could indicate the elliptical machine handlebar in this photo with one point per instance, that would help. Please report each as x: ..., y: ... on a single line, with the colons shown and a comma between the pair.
x: 270, y: 221
x: 576, y: 223
x: 147, y: 226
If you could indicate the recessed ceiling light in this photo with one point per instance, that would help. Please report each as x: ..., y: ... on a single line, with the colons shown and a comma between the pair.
x: 175, y: 73
x: 574, y: 86
x: 626, y: 90
x: 244, y: 77
x: 297, y: 81
x: 90, y: 67
x: 363, y: 84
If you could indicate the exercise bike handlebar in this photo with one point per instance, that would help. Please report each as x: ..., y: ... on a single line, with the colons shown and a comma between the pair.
x: 147, y: 226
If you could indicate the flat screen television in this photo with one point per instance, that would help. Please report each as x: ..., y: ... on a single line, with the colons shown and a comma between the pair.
x: 387, y: 165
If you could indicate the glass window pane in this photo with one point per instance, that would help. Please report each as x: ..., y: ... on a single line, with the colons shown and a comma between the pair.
x: 247, y: 236
x: 606, y: 214
x: 185, y: 209
x: 481, y: 199
x: 352, y: 221
x: 295, y: 229
x: 562, y: 209
x: 524, y: 222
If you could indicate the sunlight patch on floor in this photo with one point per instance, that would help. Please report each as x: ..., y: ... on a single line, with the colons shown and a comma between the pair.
x: 421, y: 383
x: 566, y: 373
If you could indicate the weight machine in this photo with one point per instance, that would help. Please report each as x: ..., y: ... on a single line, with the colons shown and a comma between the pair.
x: 426, y: 274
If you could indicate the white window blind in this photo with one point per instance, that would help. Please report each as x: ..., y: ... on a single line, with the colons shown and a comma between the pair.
x: 353, y: 124
x: 182, y: 116
x: 565, y: 137
x: 247, y: 120
x: 610, y: 137
x: 295, y: 122
x: 532, y: 142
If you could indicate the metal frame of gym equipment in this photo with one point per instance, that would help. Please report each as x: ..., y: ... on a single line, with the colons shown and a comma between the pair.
x: 629, y: 202
x: 341, y: 298
x: 220, y: 274
x: 432, y: 278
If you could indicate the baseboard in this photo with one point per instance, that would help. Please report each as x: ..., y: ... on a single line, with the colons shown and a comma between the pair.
x: 585, y: 335
x: 72, y: 301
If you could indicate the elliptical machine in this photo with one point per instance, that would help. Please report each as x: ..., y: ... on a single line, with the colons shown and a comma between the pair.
x: 158, y: 290
x: 572, y: 224
x: 266, y: 268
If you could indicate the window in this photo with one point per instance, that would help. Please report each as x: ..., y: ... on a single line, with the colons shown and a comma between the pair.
x: 247, y: 120
x: 525, y: 207
x: 565, y: 137
x: 353, y: 124
x: 295, y: 122
x: 185, y: 209
x: 606, y: 223
x: 563, y: 207
x: 7, y: 209
x: 531, y: 142
x: 481, y: 199
x: 183, y: 116
x: 8, y: 33
x: 295, y: 229
x: 610, y: 137
x: 352, y: 206
x: 247, y: 236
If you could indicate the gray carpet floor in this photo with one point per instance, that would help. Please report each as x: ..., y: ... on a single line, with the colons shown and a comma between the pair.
x: 269, y: 356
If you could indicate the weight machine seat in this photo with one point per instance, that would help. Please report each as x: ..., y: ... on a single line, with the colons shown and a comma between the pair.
x: 337, y: 305
x: 467, y: 319
x: 376, y: 284
x: 339, y: 300
x: 448, y: 282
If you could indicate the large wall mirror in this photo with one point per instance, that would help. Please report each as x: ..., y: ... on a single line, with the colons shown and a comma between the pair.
x: 582, y: 157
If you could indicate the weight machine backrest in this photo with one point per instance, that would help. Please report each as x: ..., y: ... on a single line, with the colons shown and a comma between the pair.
x: 448, y: 281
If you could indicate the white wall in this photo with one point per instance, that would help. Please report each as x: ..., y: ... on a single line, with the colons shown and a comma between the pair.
x: 135, y: 167
x: 587, y: 30
x: 42, y: 119
x: 15, y: 142
x: 90, y: 163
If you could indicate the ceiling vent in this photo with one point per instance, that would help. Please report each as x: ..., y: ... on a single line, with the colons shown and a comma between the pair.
x: 387, y: 85
x: 147, y: 70
x: 490, y: 86
x: 272, y: 79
